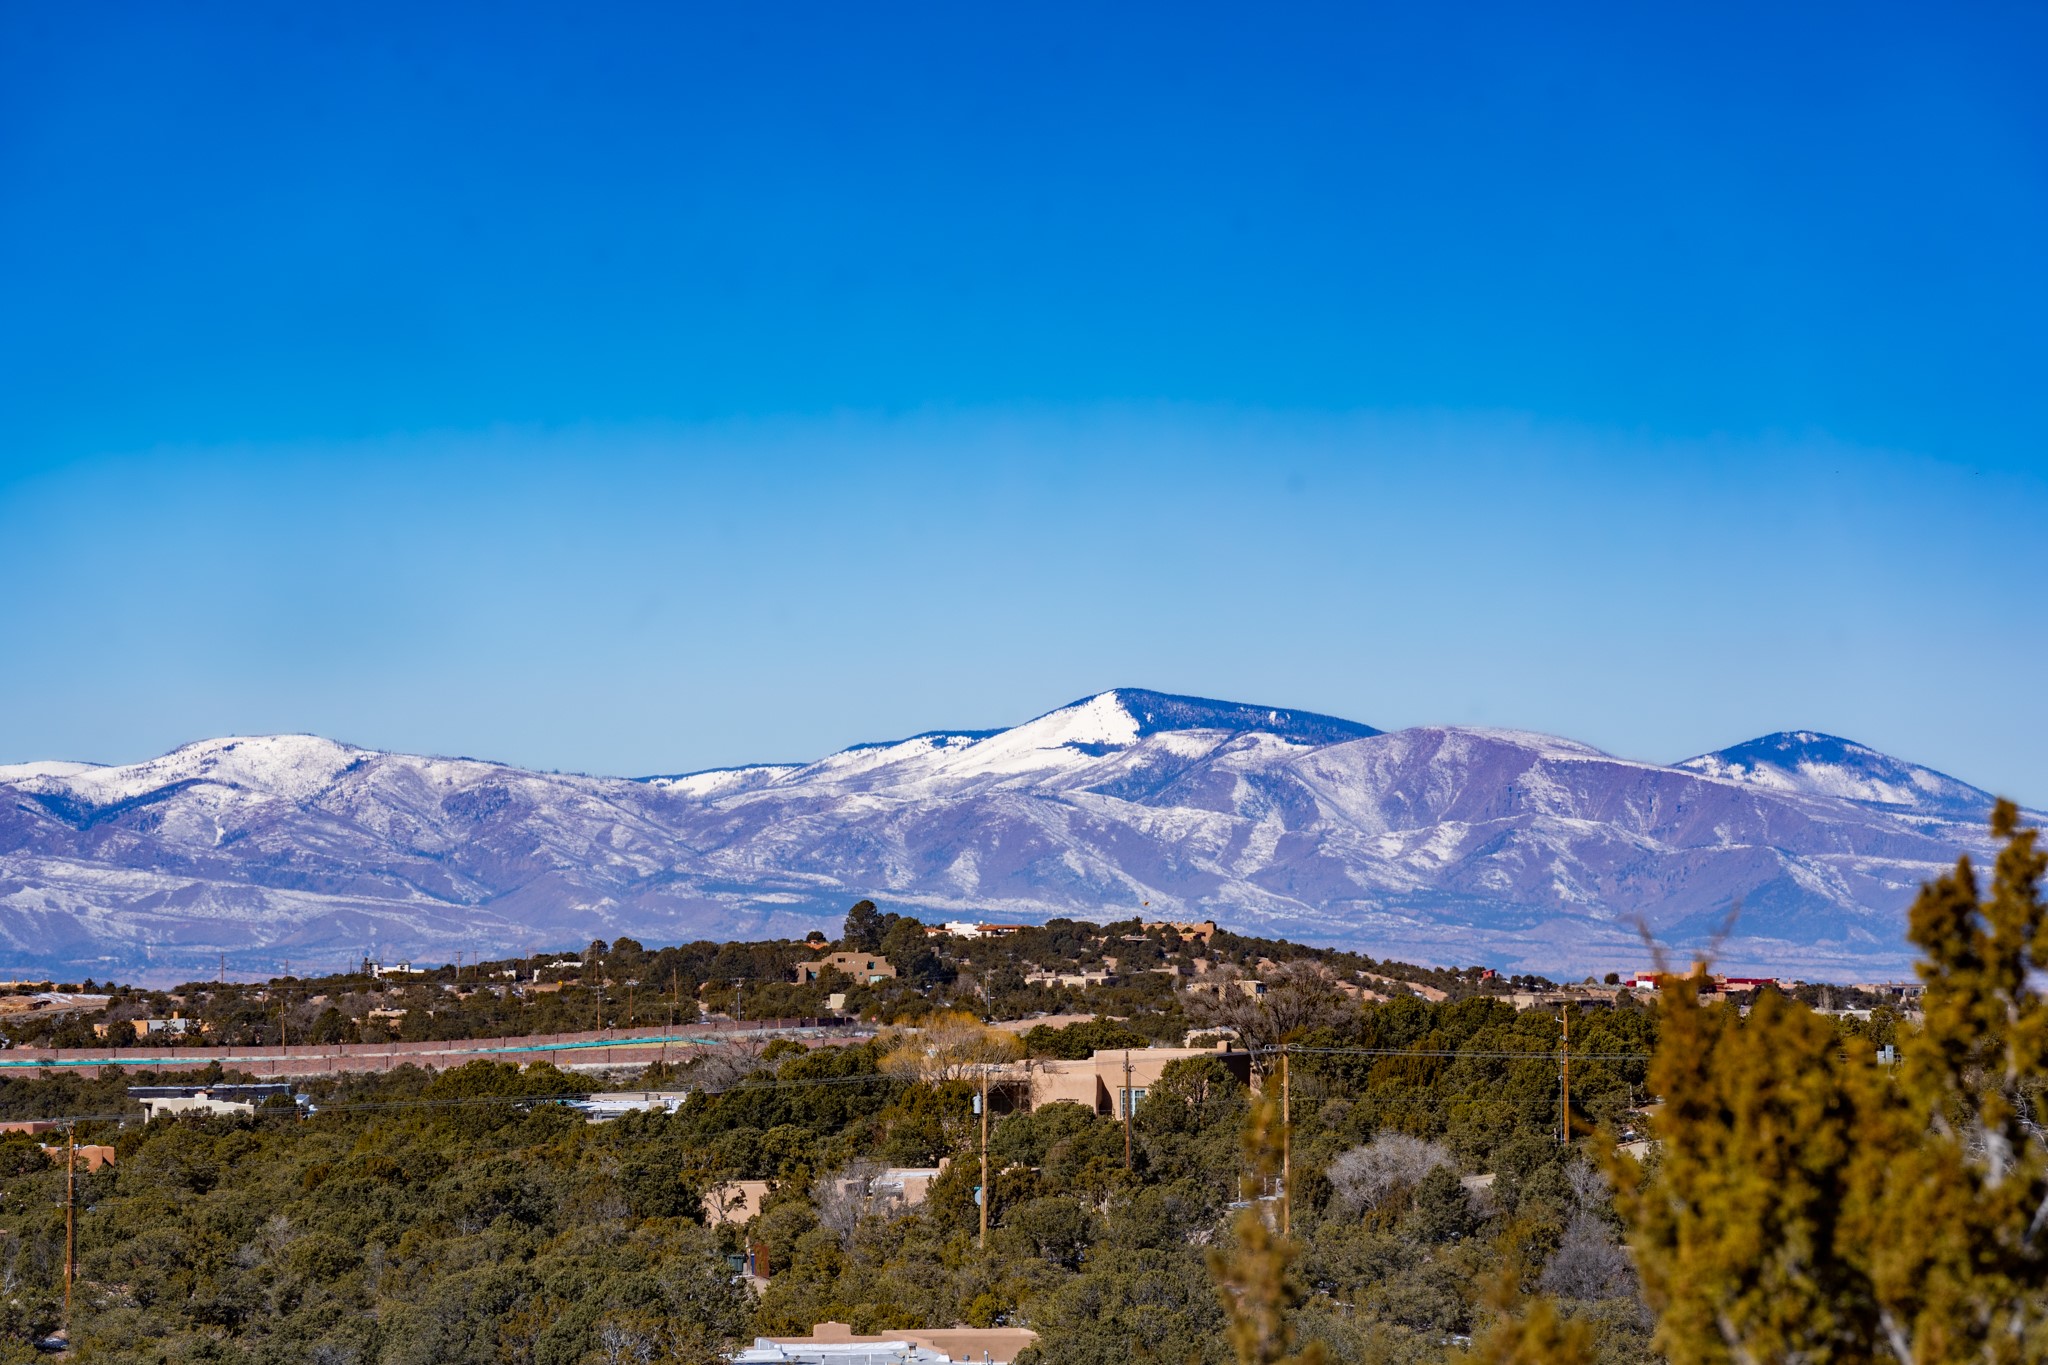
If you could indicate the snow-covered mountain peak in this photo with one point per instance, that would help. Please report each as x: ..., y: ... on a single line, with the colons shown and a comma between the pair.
x: 286, y: 767
x: 1437, y: 842
x: 1103, y: 720
x: 1156, y: 712
x: 1816, y: 764
x: 1077, y: 734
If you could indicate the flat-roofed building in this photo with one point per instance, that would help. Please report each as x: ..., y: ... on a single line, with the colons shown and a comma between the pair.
x: 735, y: 1201
x: 865, y: 967
x: 835, y: 1343
x: 1100, y: 1082
x: 157, y: 1100
x: 89, y: 1155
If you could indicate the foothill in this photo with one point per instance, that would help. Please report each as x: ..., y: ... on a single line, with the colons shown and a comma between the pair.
x: 914, y: 1142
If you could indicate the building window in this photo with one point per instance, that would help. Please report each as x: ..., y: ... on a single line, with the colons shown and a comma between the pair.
x: 1129, y: 1100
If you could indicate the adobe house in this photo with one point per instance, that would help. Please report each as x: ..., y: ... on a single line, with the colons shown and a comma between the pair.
x: 1100, y: 1083
x: 866, y: 967
x: 734, y: 1201
x: 157, y: 1100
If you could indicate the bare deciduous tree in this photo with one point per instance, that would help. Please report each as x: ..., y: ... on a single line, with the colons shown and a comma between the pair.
x: 1297, y: 995
x: 727, y: 1065
x: 623, y: 1343
x: 1392, y: 1163
x: 851, y: 1193
x: 1589, y: 1263
x: 953, y: 1046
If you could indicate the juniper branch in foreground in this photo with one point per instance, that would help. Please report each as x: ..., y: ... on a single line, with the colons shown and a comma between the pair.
x: 1811, y: 1205
x: 1254, y: 1277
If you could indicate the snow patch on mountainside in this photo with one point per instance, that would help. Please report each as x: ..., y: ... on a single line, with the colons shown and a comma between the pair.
x: 1058, y: 739
x: 722, y: 781
x: 15, y: 772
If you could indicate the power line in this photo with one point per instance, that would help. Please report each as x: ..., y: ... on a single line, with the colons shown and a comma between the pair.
x: 1550, y: 1055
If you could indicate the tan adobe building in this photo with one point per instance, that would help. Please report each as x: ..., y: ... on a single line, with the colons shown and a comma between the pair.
x: 734, y: 1201
x: 1199, y: 932
x: 905, y: 1186
x: 1248, y: 986
x: 859, y: 966
x: 1103, y: 976
x: 91, y: 1156
x: 1101, y: 1083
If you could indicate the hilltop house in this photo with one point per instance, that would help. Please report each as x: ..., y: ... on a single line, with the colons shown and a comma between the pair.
x: 1200, y: 931
x: 865, y: 967
x: 1076, y: 980
x: 960, y: 928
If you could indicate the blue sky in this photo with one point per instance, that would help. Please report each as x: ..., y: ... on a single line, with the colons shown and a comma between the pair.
x: 662, y: 387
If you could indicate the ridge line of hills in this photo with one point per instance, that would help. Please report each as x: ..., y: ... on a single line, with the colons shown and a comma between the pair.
x: 1520, y: 851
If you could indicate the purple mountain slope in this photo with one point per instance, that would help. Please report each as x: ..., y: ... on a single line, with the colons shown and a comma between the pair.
x: 1440, y: 844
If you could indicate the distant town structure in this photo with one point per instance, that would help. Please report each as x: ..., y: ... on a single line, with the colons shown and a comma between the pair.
x: 177, y: 1026
x: 835, y: 1343
x: 902, y: 1186
x: 1077, y: 980
x: 618, y: 1103
x: 1199, y: 932
x: 1249, y: 986
x: 90, y: 1156
x: 735, y: 1201
x: 960, y: 928
x: 1101, y: 1082
x: 868, y: 967
x: 158, y: 1100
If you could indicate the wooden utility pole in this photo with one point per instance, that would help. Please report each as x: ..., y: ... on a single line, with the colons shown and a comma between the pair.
x: 70, y: 1222
x: 1564, y: 1081
x: 1128, y: 1106
x: 1286, y: 1148
x: 987, y: 1194
x: 675, y: 1001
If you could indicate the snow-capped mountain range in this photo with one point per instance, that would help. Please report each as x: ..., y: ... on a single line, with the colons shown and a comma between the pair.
x: 1438, y: 844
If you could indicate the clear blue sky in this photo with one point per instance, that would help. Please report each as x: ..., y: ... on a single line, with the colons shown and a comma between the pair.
x: 646, y: 388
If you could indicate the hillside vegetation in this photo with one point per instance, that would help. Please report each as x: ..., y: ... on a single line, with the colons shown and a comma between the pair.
x: 1809, y: 1198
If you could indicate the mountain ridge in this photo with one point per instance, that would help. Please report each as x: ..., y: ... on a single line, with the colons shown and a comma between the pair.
x: 1441, y: 843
